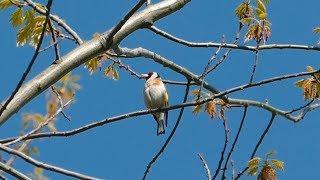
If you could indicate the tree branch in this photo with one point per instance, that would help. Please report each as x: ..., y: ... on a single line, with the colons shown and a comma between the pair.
x: 13, y: 172
x: 234, y: 142
x: 231, y: 46
x: 205, y: 165
x: 258, y: 144
x: 44, y: 165
x: 226, y: 140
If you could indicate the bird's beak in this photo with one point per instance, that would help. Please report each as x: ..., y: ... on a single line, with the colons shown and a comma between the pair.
x: 144, y: 76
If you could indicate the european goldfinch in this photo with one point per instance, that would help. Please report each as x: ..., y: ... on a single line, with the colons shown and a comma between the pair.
x: 156, y: 96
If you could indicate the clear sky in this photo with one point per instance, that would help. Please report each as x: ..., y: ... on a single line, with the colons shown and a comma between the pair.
x: 122, y: 150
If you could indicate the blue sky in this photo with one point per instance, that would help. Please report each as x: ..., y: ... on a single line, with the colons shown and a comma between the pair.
x: 122, y: 150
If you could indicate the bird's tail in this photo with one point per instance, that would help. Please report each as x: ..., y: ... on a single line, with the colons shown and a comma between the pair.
x: 160, y: 121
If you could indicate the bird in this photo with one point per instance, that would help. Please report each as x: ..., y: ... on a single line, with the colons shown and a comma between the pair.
x: 156, y: 96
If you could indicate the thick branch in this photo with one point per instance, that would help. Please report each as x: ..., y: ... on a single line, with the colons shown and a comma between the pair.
x: 85, y: 52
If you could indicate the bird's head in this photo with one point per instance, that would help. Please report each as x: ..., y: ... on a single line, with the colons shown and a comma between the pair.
x: 150, y: 75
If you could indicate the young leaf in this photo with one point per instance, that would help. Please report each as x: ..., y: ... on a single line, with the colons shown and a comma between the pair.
x: 254, y: 162
x: 211, y: 108
x: 115, y: 74
x: 197, y: 109
x: 277, y: 164
x: 92, y: 65
x: 261, y: 7
x: 6, y: 3
x: 17, y: 17
x: 310, y: 69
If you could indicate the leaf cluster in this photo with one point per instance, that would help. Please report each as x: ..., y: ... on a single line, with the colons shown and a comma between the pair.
x: 310, y: 86
x: 265, y: 167
x: 212, y: 108
x: 259, y: 28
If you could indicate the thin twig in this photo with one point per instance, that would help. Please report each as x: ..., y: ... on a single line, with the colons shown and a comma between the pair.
x: 44, y: 165
x: 226, y: 140
x: 202, y: 77
x: 114, y: 30
x: 205, y: 165
x: 224, y: 57
x: 49, y: 46
x: 232, y: 46
x: 35, y: 55
x: 258, y: 144
x: 20, y: 149
x: 234, y: 142
x: 255, y: 64
x: 169, y: 137
x: 15, y: 173
x: 55, y: 42
x: 139, y: 76
x: 301, y: 107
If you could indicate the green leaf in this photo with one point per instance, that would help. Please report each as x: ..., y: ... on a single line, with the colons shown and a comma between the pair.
x: 17, y: 17
x: 23, y: 36
x: 246, y: 20
x: 261, y: 7
x: 266, y: 1
x: 254, y: 162
x: 277, y: 164
x: 5, y: 4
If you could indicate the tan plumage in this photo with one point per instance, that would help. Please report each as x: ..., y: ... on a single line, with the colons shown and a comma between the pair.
x: 156, y: 96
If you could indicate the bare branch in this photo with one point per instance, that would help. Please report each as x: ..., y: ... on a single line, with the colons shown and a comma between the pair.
x: 54, y: 42
x: 44, y: 165
x: 13, y: 172
x: 258, y: 144
x: 169, y: 137
x: 234, y: 142
x: 232, y: 46
x: 139, y: 76
x: 255, y: 64
x: 226, y: 140
x: 205, y: 165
